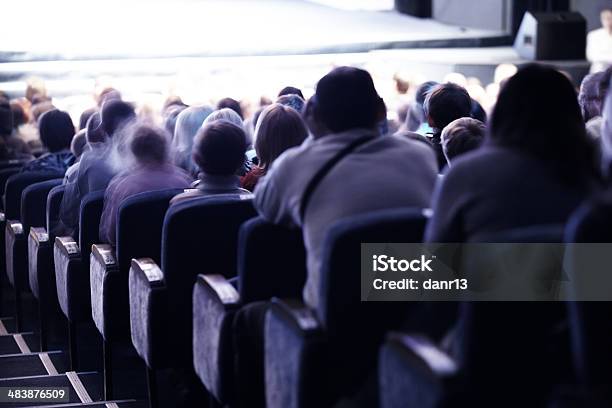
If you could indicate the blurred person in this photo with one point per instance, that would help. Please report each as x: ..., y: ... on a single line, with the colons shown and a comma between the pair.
x: 188, y: 122
x: 108, y: 93
x: 599, y: 43
x: 477, y: 112
x: 170, y: 115
x: 535, y: 166
x: 36, y: 90
x: 461, y: 136
x: 77, y: 147
x: 290, y: 90
x: 56, y: 132
x: 218, y: 151
x: 606, y: 135
x: 443, y: 104
x: 280, y: 127
x: 372, y: 173
x: 224, y: 114
x: 415, y: 119
x: 293, y: 101
x: 12, y: 146
x: 152, y: 171
x: 231, y: 104
x: 85, y: 115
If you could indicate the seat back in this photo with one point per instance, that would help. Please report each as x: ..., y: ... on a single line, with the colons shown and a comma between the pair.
x: 139, y: 227
x: 354, y: 329
x: 199, y: 236
x: 89, y: 223
x: 506, y: 337
x: 54, y: 203
x: 5, y: 173
x: 15, y: 186
x: 590, y: 322
x: 271, y: 261
x: 34, y: 203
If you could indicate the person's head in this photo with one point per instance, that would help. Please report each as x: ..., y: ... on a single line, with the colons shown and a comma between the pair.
x: 78, y: 144
x: 39, y: 108
x: 606, y: 128
x: 115, y: 114
x: 6, y: 119
x: 108, y: 94
x: 93, y: 130
x: 445, y: 103
x: 423, y: 90
x: 346, y: 99
x: 231, y: 104
x: 279, y: 128
x: 19, y: 114
x: 149, y: 144
x: 170, y: 115
x: 461, y: 136
x: 293, y: 101
x: 478, y: 111
x: 589, y: 96
x: 291, y: 90
x: 85, y: 117
x: 56, y: 130
x: 537, y: 112
x: 606, y: 19
x: 219, y: 148
x: 224, y: 114
x: 188, y: 122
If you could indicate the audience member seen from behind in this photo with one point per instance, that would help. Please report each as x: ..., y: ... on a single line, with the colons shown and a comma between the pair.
x: 152, y: 171
x: 378, y: 173
x: 77, y: 147
x: 535, y: 167
x: 606, y: 136
x: 232, y: 104
x: 593, y: 90
x: 11, y: 147
x: 219, y: 152
x: 461, y: 136
x: 188, y: 123
x: 291, y: 90
x: 279, y: 128
x: 443, y: 104
x: 56, y: 132
x: 416, y: 121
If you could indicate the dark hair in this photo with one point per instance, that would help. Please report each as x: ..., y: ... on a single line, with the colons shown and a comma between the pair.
x: 461, y: 136
x: 108, y: 94
x: 291, y: 90
x: 219, y: 148
x: 293, y: 101
x: 79, y: 141
x: 114, y: 114
x: 149, y: 144
x: 280, y: 128
x: 346, y: 99
x: 56, y: 130
x: 231, y: 104
x: 423, y: 90
x: 6, y: 118
x: 85, y: 115
x: 445, y: 103
x: 477, y: 112
x: 537, y: 112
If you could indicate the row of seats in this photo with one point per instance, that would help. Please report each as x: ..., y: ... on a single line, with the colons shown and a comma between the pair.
x: 180, y: 276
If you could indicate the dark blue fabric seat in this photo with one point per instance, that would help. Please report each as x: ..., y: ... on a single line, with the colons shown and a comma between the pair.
x: 199, y: 236
x: 271, y: 262
x: 71, y: 260
x: 41, y: 271
x: 4, y: 175
x: 316, y: 357
x: 515, y: 349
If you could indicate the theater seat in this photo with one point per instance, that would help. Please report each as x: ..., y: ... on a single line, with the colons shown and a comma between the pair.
x: 139, y: 228
x: 199, y: 236
x: 315, y: 357
x: 71, y: 261
x: 16, y: 232
x: 40, y: 261
x: 517, y: 350
x: 591, y: 322
x: 4, y: 175
x: 271, y: 262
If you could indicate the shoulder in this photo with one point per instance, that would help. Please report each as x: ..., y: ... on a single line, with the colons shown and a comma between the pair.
x: 188, y: 194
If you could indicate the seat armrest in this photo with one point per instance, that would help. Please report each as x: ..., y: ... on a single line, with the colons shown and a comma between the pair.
x: 436, y: 359
x: 2, y: 216
x: 295, y: 311
x: 224, y: 291
x: 149, y: 315
x: 39, y: 235
x: 104, y: 254
x: 14, y: 227
x: 68, y: 246
x: 105, y: 291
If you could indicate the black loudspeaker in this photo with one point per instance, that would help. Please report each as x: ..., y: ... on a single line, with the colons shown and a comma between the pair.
x: 417, y: 8
x: 551, y: 36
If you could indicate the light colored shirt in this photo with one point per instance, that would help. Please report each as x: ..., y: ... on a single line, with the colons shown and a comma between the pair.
x: 599, y: 49
x: 386, y: 172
